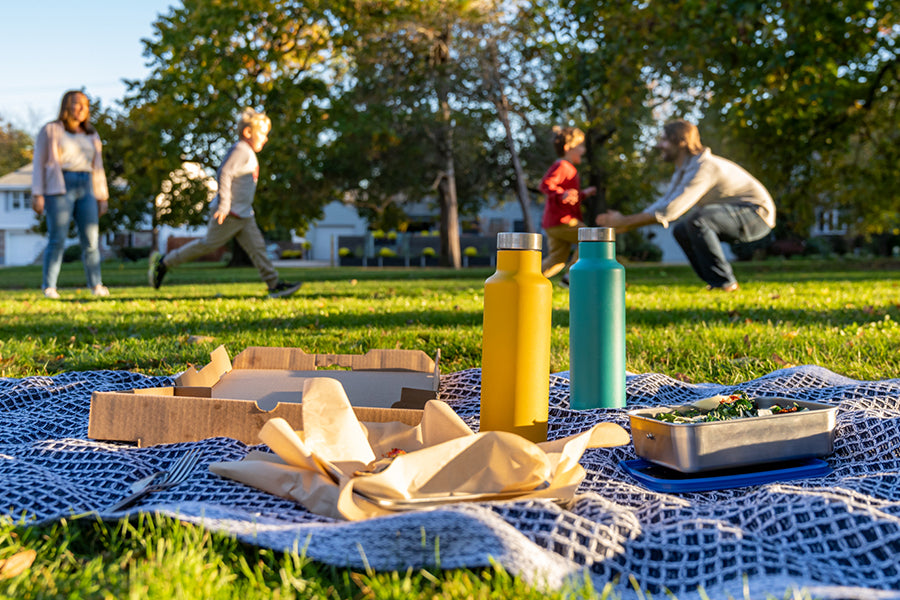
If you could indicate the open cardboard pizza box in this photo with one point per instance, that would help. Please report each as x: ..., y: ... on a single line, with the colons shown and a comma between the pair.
x: 235, y: 399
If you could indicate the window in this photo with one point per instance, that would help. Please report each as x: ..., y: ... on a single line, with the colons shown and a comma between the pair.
x: 18, y: 200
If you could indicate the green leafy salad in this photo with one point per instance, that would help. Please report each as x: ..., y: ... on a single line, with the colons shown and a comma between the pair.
x: 724, y: 408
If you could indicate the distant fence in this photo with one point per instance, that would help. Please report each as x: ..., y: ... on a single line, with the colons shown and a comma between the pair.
x: 412, y: 249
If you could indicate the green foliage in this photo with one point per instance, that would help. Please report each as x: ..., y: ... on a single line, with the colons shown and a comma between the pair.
x: 388, y: 103
x: 15, y: 148
x: 153, y: 556
x: 634, y: 246
x: 72, y: 253
x: 135, y: 253
x: 598, y: 79
x: 209, y: 61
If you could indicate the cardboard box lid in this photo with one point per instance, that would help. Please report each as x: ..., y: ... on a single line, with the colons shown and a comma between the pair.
x: 379, y: 378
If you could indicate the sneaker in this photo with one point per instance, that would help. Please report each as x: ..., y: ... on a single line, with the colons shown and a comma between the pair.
x: 51, y: 293
x: 728, y: 287
x: 564, y: 282
x: 157, y: 270
x: 100, y: 290
x: 283, y: 289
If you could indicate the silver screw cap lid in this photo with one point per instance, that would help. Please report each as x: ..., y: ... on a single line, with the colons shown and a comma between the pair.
x: 596, y: 234
x: 519, y: 241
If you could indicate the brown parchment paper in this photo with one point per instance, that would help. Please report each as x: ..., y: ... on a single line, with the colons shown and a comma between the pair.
x: 342, y: 468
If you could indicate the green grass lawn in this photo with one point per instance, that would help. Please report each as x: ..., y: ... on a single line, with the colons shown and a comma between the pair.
x: 842, y: 315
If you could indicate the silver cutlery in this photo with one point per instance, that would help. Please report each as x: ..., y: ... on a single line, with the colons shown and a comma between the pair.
x: 177, y: 473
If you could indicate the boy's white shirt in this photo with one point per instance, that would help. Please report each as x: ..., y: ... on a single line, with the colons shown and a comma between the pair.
x: 237, y: 179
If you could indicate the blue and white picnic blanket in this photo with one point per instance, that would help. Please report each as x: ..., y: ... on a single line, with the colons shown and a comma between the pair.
x: 837, y: 536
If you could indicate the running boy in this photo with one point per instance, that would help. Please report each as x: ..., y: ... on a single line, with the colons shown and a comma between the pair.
x: 562, y: 212
x: 233, y: 210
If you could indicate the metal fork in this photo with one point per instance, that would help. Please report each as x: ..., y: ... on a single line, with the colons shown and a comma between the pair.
x: 178, y: 473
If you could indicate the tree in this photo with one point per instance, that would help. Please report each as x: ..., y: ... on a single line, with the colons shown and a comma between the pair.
x: 506, y: 78
x: 211, y: 59
x: 802, y: 94
x: 15, y: 148
x: 408, y: 68
x: 594, y: 55
x: 818, y: 122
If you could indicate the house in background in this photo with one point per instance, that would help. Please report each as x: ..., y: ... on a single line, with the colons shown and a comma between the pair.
x: 19, y: 245
x: 342, y: 219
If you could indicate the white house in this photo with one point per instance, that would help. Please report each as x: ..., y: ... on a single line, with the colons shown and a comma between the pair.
x: 18, y: 244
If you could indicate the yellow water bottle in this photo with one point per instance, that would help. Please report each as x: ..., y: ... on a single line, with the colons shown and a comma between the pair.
x: 515, y: 350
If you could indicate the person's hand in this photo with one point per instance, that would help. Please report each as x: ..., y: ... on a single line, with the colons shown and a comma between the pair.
x: 570, y: 197
x: 219, y: 216
x: 612, y: 218
x: 37, y: 203
x: 589, y: 191
x: 102, y: 207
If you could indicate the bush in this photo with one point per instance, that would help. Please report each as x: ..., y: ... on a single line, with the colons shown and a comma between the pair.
x: 752, y: 250
x: 818, y: 246
x: 387, y: 253
x: 635, y: 247
x: 292, y: 254
x: 344, y: 251
x: 72, y: 253
x: 471, y: 251
x: 428, y: 251
x: 134, y: 253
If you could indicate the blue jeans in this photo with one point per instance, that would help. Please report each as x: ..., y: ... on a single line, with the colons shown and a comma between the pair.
x: 699, y: 233
x: 78, y: 201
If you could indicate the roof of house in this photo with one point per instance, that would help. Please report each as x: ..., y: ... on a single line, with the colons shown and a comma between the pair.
x: 18, y: 179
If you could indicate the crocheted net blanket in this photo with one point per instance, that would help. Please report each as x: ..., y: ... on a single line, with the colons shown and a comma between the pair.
x: 837, y: 536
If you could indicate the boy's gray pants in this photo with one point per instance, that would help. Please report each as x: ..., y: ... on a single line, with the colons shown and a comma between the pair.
x: 247, y: 234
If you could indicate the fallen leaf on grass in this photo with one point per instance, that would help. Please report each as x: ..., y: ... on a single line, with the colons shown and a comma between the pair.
x: 16, y: 564
x: 681, y: 377
x: 198, y: 339
x: 780, y: 361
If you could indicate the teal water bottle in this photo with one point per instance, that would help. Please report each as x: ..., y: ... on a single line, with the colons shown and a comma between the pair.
x: 596, y: 322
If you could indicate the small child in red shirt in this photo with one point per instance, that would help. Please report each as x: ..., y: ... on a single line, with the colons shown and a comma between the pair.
x: 562, y: 212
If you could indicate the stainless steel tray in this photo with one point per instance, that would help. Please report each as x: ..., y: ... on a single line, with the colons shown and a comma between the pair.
x: 696, y: 447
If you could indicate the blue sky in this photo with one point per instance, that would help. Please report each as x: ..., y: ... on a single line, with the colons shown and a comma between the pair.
x: 50, y: 46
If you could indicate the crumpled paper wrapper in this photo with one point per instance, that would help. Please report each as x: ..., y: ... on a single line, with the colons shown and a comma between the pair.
x: 341, y: 468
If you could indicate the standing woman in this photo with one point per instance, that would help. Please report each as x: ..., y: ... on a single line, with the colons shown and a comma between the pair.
x: 68, y: 180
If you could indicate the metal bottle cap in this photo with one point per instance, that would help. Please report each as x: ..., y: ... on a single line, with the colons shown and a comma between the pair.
x: 519, y: 241
x: 596, y: 234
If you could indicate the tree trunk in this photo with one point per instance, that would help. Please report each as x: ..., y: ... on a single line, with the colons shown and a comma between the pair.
x: 502, y: 105
x: 450, y: 251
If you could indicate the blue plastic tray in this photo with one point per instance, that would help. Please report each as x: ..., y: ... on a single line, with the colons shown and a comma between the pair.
x: 663, y: 479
